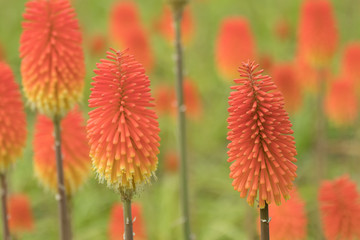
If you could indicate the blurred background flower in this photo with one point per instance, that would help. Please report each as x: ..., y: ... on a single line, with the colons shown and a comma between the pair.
x: 12, y: 118
x: 116, y: 225
x: 340, y: 208
x: 52, y: 66
x: 76, y: 160
x: 20, y: 214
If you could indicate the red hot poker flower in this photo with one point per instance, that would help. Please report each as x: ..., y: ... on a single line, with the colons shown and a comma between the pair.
x: 289, y: 220
x: 286, y: 78
x: 12, y: 119
x: 164, y: 99
x: 318, y: 37
x: 235, y: 44
x: 137, y: 40
x: 116, y: 226
x: 262, y: 149
x: 340, y: 209
x: 351, y: 64
x: 20, y: 214
x: 52, y: 65
x: 127, y: 31
x: 75, y: 151
x: 341, y: 104
x: 124, y: 16
x: 123, y: 132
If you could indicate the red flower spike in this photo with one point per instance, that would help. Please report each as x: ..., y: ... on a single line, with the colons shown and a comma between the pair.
x: 307, y: 74
x: 127, y: 32
x: 262, y: 149
x: 341, y: 102
x: 351, y: 64
x: 137, y: 41
x: 165, y: 25
x: 116, y: 226
x: 289, y: 220
x: 318, y: 36
x: 12, y: 119
x: 164, y: 99
x: 340, y: 209
x: 123, y: 17
x: 235, y: 44
x: 20, y: 214
x: 123, y: 131
x: 75, y: 151
x: 52, y: 64
x: 286, y: 78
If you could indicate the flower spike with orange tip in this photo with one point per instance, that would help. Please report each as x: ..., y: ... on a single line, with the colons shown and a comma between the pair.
x: 235, y: 44
x: 318, y: 36
x: 12, y: 132
x: 52, y: 70
x: 12, y: 119
x: 287, y: 80
x: 127, y: 31
x: 116, y: 225
x: 262, y: 148
x: 76, y: 160
x: 52, y: 65
x: 21, y: 217
x: 351, y: 64
x: 341, y: 104
x: 123, y: 131
x: 123, y: 17
x: 340, y: 209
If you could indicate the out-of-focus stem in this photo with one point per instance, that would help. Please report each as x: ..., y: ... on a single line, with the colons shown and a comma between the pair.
x: 6, y: 230
x: 177, y: 7
x: 69, y: 204
x: 65, y: 225
x: 320, y: 145
x: 128, y: 224
x: 264, y: 222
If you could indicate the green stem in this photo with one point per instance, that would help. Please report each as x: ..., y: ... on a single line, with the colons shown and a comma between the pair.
x: 321, y: 140
x: 178, y: 10
x: 320, y: 146
x: 128, y: 224
x: 65, y: 226
x: 6, y: 230
x: 264, y: 222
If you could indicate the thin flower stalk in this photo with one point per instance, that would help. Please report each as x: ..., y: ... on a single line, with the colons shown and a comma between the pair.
x: 178, y: 7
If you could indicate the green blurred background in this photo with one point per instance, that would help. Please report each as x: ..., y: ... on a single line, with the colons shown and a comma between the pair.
x: 217, y: 212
